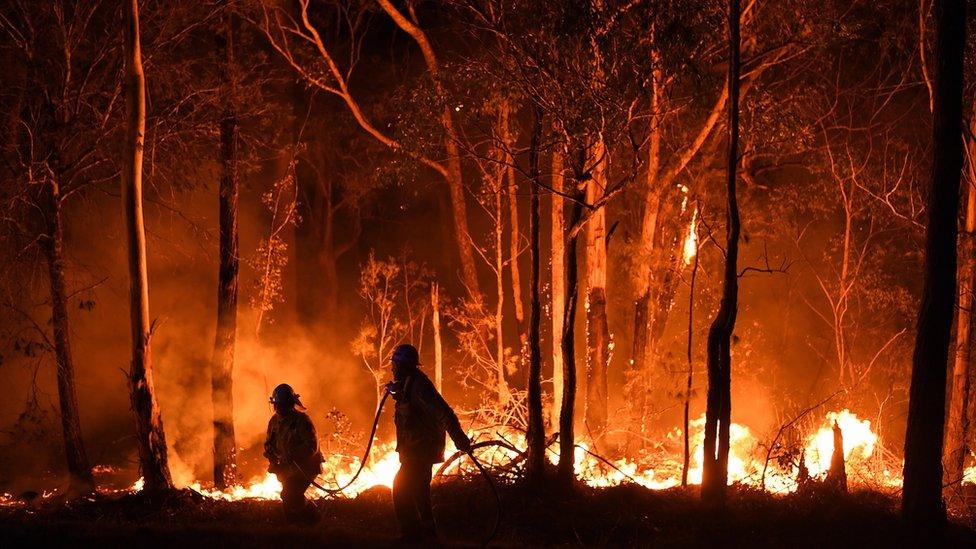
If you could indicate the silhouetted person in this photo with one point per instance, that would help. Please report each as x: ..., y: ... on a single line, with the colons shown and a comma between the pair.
x: 293, y: 453
x: 422, y: 417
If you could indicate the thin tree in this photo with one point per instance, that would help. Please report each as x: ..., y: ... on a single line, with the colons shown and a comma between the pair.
x: 598, y: 342
x: 59, y: 111
x: 225, y: 341
x: 922, y: 493
x: 150, y: 436
x: 567, y: 408
x: 718, y: 409
x: 79, y: 468
x: 557, y: 290
x: 536, y: 435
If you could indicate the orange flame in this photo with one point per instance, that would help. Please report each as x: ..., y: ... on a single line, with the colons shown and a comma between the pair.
x: 691, y: 241
x: 746, y: 463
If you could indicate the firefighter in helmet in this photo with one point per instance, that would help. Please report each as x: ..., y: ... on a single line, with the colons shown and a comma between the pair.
x: 421, y: 417
x: 293, y: 453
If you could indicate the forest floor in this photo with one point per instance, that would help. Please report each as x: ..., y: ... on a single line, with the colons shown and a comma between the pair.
x: 623, y: 515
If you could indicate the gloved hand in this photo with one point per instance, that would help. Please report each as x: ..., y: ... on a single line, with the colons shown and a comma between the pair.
x: 392, y: 388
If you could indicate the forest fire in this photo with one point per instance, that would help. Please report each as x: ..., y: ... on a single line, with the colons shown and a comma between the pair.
x: 746, y: 464
x: 628, y: 263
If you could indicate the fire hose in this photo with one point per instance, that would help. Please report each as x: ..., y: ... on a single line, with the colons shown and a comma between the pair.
x: 362, y: 465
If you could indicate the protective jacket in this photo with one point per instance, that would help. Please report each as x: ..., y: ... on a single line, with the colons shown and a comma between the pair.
x: 422, y: 417
x: 291, y: 447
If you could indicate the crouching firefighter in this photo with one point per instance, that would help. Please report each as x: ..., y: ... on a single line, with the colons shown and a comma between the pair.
x: 293, y: 453
x: 421, y: 418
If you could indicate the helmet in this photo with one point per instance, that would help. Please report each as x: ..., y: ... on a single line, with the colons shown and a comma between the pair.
x: 406, y: 355
x: 284, y: 396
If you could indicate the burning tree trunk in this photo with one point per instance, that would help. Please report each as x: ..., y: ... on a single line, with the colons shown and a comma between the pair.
x: 718, y: 410
x: 837, y: 474
x: 225, y: 341
x: 536, y: 436
x: 922, y: 494
x: 567, y: 439
x: 598, y: 339
x: 79, y: 468
x: 149, y: 423
x: 558, y: 288
x: 957, y: 424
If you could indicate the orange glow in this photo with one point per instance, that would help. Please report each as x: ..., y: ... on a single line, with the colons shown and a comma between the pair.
x: 691, y: 241
x: 859, y: 441
x: 746, y: 462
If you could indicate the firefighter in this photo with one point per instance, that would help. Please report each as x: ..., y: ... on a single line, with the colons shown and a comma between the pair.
x: 421, y: 418
x: 293, y: 453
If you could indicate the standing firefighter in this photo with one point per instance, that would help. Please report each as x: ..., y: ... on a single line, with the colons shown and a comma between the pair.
x: 293, y: 453
x: 422, y: 417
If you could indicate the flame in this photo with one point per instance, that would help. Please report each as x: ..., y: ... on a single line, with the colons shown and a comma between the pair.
x: 859, y: 441
x: 746, y: 463
x: 691, y: 241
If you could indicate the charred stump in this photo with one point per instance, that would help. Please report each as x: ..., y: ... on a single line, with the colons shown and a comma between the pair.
x: 837, y: 474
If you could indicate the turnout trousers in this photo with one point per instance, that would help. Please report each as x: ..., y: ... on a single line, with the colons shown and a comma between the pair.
x: 411, y: 499
x: 296, y: 507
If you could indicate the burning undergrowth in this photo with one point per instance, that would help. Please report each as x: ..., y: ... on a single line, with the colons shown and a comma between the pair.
x: 782, y: 466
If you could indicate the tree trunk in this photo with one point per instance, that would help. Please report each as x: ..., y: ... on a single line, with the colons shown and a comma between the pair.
x: 225, y: 341
x: 515, y: 234
x: 459, y: 206
x: 308, y: 241
x: 536, y: 436
x: 79, y: 468
x: 649, y: 225
x: 686, y: 435
x: 597, y: 328
x: 567, y: 438
x: 558, y: 288
x: 435, y: 306
x: 922, y: 493
x: 957, y: 424
x: 718, y: 411
x: 502, y: 385
x: 837, y: 474
x: 150, y: 436
x: 453, y: 162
